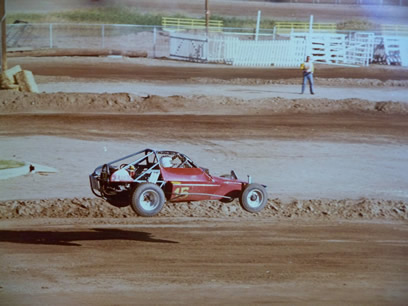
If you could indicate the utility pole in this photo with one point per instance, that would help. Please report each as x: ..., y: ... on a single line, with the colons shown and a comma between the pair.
x: 207, y: 14
x: 3, y: 36
x: 207, y: 22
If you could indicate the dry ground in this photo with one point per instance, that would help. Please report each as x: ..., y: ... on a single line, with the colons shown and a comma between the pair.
x: 185, y: 261
x: 195, y: 8
x: 334, y: 230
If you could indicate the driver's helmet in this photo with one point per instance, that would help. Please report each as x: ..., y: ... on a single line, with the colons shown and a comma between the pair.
x: 165, y: 161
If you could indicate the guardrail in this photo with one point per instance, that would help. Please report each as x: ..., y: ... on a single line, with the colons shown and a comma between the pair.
x: 348, y: 2
x: 383, y: 29
x: 287, y: 27
x: 175, y: 24
x: 394, y: 29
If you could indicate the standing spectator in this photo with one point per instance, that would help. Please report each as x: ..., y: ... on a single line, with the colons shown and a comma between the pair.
x: 308, y: 70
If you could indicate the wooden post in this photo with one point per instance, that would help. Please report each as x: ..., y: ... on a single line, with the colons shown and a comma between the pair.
x: 207, y: 14
x: 3, y: 35
x: 207, y: 21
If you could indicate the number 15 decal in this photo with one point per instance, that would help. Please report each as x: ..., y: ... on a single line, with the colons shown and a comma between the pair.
x: 181, y: 192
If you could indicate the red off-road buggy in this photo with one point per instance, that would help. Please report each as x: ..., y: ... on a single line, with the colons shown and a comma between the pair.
x: 148, y: 178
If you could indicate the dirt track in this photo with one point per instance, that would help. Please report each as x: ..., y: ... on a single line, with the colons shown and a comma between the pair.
x: 326, y: 127
x: 146, y: 70
x: 168, y: 261
x: 334, y: 231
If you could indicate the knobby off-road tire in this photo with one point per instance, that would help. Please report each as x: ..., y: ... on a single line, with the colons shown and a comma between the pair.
x: 254, y: 198
x: 147, y: 199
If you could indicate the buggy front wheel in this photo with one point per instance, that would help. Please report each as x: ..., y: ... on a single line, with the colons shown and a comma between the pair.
x: 147, y: 199
x: 254, y: 198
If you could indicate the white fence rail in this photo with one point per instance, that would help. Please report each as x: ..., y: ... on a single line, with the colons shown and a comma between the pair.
x: 355, y: 49
x: 278, y: 53
x: 326, y: 48
x: 397, y: 50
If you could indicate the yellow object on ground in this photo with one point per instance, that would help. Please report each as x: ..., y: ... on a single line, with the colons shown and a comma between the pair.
x: 26, y: 81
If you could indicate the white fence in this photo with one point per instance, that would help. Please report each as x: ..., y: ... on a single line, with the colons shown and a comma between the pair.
x: 360, y: 48
x: 397, y: 50
x: 337, y: 49
x: 352, y: 48
x: 341, y: 49
x: 261, y: 53
x: 326, y: 48
x: 188, y: 47
x: 232, y: 50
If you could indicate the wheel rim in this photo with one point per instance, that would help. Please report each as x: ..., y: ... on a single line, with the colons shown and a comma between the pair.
x: 149, y: 200
x: 255, y: 198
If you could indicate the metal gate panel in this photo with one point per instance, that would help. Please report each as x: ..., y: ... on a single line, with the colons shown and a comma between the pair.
x: 188, y: 47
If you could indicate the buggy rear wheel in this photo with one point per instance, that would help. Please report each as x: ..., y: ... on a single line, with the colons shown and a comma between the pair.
x: 147, y: 199
x: 254, y: 198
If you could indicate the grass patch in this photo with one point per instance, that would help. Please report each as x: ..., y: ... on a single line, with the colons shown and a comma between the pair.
x: 357, y: 24
x: 109, y: 15
x: 234, y: 22
x: 126, y: 15
x: 121, y: 15
x: 9, y: 164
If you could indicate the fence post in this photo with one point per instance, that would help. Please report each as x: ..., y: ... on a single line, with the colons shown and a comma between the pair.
x: 258, y: 22
x: 103, y: 36
x: 309, y: 41
x: 154, y: 41
x: 51, y: 44
x: 3, y: 32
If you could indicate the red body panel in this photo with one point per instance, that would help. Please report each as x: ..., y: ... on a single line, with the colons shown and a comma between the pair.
x: 194, y: 184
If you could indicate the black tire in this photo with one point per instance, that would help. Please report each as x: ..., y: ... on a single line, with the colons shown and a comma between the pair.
x: 253, y: 198
x: 147, y: 199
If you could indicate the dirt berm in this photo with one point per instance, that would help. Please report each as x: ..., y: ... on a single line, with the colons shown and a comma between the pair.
x: 361, y: 209
x: 17, y: 102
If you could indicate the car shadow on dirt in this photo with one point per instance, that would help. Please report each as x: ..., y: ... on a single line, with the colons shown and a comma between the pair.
x: 71, y: 238
x: 120, y: 200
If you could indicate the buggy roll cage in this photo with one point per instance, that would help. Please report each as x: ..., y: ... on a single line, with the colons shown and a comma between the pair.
x: 150, y: 172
